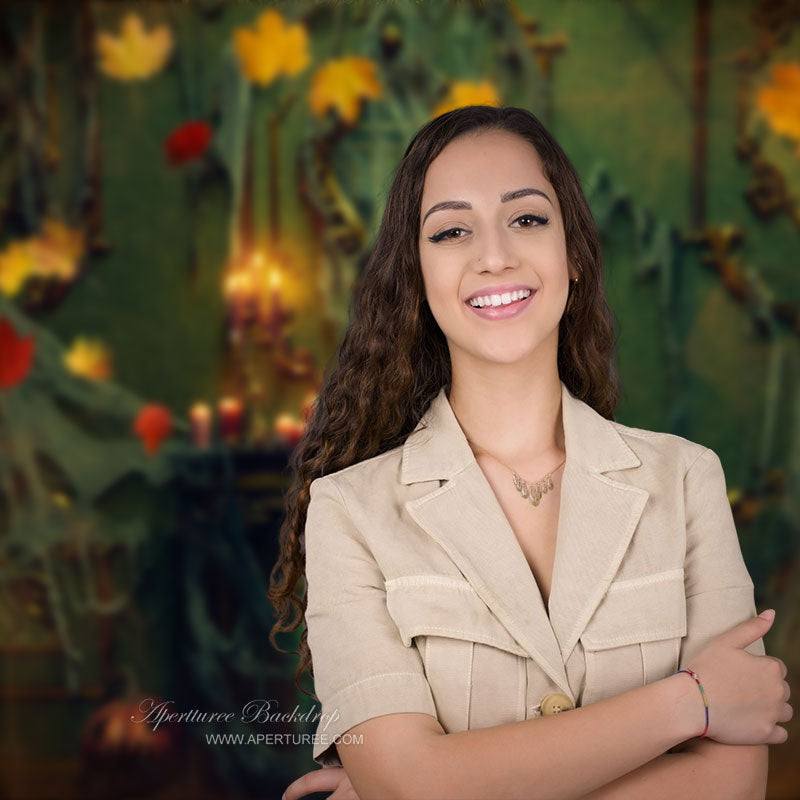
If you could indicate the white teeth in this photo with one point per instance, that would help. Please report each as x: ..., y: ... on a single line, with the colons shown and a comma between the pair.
x: 499, y: 299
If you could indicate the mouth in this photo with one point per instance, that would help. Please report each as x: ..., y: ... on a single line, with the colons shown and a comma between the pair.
x: 501, y: 306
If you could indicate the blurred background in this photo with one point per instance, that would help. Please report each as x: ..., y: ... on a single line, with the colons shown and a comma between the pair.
x: 188, y: 192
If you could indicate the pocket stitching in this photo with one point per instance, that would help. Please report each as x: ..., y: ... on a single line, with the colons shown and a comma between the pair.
x: 417, y: 626
x: 675, y: 630
x: 425, y: 630
x: 621, y: 641
x: 629, y: 584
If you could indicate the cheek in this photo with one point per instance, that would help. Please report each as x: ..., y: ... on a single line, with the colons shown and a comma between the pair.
x: 443, y: 312
x: 440, y: 289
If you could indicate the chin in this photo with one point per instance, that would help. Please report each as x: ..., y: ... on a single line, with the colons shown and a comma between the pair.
x: 503, y: 355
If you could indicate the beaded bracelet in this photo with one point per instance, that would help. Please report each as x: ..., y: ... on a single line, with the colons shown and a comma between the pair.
x: 692, y: 674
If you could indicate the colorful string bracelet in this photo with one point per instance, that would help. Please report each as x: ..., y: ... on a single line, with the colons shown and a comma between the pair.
x: 692, y: 674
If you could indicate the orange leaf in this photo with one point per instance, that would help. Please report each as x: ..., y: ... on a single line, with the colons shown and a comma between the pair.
x: 272, y: 48
x: 89, y: 358
x: 153, y: 424
x: 468, y: 93
x: 136, y: 53
x: 342, y: 84
x: 779, y: 101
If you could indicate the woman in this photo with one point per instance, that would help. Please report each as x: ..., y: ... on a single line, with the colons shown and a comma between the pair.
x: 484, y: 547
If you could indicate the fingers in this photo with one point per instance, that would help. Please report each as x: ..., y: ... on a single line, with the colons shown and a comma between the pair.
x: 344, y: 792
x: 783, y: 666
x: 778, y: 736
x: 318, y: 780
x: 745, y: 633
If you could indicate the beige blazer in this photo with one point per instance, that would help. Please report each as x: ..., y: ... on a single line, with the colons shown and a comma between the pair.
x: 421, y: 599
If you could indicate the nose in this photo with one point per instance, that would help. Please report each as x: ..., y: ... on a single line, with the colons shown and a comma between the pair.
x: 495, y: 252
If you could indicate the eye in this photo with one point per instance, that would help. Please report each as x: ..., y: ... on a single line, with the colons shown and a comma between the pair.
x: 540, y: 219
x: 444, y: 235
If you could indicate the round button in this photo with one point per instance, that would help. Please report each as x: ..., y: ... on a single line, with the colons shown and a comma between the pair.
x: 556, y: 703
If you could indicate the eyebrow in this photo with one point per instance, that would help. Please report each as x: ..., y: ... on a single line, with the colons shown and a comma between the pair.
x: 504, y: 198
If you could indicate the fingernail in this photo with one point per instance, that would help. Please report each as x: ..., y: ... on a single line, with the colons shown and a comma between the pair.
x: 768, y: 614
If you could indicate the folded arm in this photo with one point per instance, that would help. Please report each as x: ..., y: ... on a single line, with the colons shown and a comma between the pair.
x: 700, y: 769
x: 615, y: 748
x: 719, y: 595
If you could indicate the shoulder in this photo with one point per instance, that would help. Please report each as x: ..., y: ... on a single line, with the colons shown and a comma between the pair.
x: 659, y: 448
x: 374, y: 474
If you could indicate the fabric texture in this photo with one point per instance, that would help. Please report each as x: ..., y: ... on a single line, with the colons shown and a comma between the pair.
x: 420, y: 598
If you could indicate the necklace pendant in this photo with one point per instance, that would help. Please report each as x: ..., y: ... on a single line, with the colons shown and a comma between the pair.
x: 533, y: 492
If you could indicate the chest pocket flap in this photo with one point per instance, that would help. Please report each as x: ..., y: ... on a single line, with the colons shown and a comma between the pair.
x: 636, y: 610
x: 438, y: 605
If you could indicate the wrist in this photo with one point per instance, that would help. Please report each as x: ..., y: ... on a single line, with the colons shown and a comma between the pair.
x: 688, y: 711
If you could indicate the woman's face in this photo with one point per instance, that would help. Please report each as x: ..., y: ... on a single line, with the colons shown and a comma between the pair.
x: 500, y: 231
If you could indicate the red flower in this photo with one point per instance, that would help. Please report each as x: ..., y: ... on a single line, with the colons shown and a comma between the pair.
x: 16, y: 355
x: 152, y: 424
x: 188, y: 142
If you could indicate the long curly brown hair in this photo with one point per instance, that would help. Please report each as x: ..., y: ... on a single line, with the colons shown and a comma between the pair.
x: 393, y: 358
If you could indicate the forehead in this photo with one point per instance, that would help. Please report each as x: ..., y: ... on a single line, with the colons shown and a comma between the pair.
x: 488, y: 163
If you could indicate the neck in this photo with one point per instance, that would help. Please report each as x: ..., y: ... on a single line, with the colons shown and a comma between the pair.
x: 516, y: 420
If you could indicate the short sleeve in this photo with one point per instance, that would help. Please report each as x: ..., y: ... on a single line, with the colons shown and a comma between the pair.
x: 719, y: 589
x: 361, y: 667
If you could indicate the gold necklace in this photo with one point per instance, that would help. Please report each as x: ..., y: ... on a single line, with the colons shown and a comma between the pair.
x: 531, y: 491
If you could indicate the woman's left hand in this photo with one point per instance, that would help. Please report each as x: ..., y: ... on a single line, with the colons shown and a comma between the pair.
x: 327, y: 779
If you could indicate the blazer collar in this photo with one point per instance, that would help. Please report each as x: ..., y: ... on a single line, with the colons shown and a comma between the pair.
x: 590, y: 439
x: 597, y: 517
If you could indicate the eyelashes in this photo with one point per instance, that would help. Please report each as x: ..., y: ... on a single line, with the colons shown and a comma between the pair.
x: 540, y: 219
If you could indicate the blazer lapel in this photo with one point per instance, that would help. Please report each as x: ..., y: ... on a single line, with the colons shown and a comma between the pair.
x: 597, y: 518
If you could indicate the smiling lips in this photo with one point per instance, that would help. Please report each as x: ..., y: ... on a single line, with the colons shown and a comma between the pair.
x: 503, y: 306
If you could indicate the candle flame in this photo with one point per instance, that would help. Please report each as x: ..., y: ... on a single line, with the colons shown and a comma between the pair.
x: 200, y: 411
x: 257, y: 276
x: 230, y: 403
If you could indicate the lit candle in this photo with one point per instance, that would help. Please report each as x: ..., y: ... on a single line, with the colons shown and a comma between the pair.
x: 230, y: 418
x: 289, y: 429
x: 240, y: 292
x: 233, y: 296
x: 200, y: 423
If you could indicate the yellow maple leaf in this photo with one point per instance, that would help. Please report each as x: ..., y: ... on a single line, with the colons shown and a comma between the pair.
x: 52, y: 253
x: 272, y: 48
x: 89, y: 358
x: 16, y: 266
x: 342, y: 84
x: 57, y: 250
x: 135, y: 54
x: 467, y: 93
x: 779, y: 101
